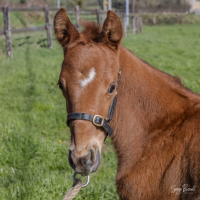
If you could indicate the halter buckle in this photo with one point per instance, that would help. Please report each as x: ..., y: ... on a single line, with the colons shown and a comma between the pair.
x: 96, y: 124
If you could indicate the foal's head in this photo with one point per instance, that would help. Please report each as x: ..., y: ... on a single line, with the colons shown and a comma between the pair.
x: 88, y: 80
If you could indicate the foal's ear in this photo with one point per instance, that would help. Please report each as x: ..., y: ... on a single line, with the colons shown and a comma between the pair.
x: 112, y: 29
x: 64, y: 29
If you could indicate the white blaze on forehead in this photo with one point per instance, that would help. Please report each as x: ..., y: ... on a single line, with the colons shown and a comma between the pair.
x: 91, y: 76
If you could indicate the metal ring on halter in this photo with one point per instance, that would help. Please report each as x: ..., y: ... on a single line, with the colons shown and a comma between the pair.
x: 84, y: 185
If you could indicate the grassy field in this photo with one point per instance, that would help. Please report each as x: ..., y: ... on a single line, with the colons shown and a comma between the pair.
x: 34, y: 138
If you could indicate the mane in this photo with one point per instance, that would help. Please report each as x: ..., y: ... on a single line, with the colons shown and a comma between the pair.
x: 176, y: 79
x: 92, y: 31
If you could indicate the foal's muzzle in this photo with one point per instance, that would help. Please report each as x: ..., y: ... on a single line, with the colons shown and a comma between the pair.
x: 86, y: 164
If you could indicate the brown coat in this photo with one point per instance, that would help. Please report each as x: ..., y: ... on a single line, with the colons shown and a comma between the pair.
x: 156, y: 123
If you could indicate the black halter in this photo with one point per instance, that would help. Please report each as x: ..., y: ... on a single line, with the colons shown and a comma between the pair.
x: 98, y: 120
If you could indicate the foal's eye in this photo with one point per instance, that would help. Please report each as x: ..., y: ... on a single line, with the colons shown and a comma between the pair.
x: 60, y: 85
x: 111, y: 89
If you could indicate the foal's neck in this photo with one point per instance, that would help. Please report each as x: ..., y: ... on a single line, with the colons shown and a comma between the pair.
x: 150, y: 103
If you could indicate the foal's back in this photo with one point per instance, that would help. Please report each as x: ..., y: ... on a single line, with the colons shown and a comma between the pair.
x: 165, y: 160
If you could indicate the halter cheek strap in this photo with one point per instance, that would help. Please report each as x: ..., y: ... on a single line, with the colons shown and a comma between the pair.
x: 98, y: 120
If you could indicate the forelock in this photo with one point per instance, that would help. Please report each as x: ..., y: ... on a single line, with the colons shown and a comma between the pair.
x: 92, y: 31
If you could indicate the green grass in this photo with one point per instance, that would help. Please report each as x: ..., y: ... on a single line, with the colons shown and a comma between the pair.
x: 33, y: 164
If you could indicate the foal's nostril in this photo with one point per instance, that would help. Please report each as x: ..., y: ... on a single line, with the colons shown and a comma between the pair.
x: 88, y: 160
x: 70, y: 160
x: 92, y: 157
x: 91, y: 160
x: 83, y: 160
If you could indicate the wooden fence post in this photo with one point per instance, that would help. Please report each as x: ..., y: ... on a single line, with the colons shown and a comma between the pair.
x: 101, y: 19
x: 124, y: 24
x: 133, y: 24
x: 98, y: 17
x: 138, y: 25
x: 77, y: 17
x: 141, y: 25
x: 7, y: 31
x: 154, y: 20
x: 48, y: 26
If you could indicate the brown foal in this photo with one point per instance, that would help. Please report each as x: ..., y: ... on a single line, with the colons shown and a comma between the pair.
x: 156, y: 122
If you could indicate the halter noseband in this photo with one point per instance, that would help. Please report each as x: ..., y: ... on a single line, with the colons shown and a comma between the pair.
x: 98, y: 120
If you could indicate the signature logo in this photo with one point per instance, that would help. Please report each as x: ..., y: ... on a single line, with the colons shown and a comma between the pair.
x: 183, y: 189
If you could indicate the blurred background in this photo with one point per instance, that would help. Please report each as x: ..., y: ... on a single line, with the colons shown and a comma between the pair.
x: 116, y: 4
x: 34, y: 138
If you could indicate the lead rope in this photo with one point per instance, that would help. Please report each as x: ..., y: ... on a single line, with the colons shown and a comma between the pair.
x: 73, y: 191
